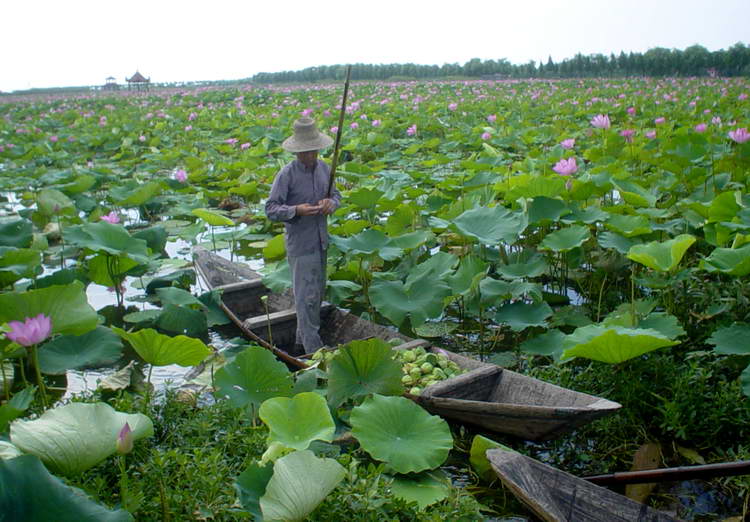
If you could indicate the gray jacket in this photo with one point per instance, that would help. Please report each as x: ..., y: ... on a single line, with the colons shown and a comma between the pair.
x: 295, y: 184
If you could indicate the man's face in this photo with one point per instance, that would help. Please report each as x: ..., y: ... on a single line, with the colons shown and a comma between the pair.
x: 308, y: 158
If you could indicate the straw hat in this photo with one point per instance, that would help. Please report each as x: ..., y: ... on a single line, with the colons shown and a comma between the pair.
x: 306, y: 137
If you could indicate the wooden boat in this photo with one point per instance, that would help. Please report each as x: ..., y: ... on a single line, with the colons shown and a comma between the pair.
x: 488, y: 396
x: 556, y: 496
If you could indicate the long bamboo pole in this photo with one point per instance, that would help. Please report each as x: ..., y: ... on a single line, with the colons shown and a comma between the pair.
x: 339, y: 131
x: 726, y: 469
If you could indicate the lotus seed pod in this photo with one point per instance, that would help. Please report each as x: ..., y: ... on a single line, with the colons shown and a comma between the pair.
x: 426, y: 368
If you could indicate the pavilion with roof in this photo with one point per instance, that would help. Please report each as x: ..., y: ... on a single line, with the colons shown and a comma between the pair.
x: 138, y: 82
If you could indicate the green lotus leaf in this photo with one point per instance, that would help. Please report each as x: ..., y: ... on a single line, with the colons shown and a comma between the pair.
x: 161, y: 350
x: 470, y: 272
x: 15, y: 407
x: 276, y: 276
x: 364, y: 197
x: 99, y: 268
x: 724, y: 207
x: 18, y: 263
x: 299, y: 483
x: 297, y: 421
x: 135, y: 194
x: 664, y: 256
x: 493, y: 290
x: 425, y: 489
x: 107, y: 237
x: 491, y: 225
x: 275, y: 248
x: 635, y: 194
x: 615, y: 241
x: 397, y: 431
x: 731, y: 261
x: 731, y: 340
x: 565, y: 239
x: 75, y: 437
x: 667, y: 324
x: 544, y: 210
x: 254, y: 376
x: 440, y: 329
x: 52, y: 202
x: 155, y: 237
x: 29, y: 492
x: 478, y: 455
x: 549, y: 343
x: 421, y: 301
x: 629, y: 226
x: 17, y: 233
x: 363, y: 367
x: 178, y: 278
x: 7, y: 451
x: 532, y: 265
x: 211, y: 302
x: 412, y: 240
x: 612, y: 344
x: 339, y: 290
x: 99, y: 347
x: 251, y: 485
x: 67, y: 306
x: 369, y: 241
x: 143, y: 316
x: 178, y: 297
x: 436, y: 267
x: 520, y: 315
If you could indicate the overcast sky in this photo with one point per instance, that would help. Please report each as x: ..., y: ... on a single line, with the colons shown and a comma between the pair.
x: 80, y: 42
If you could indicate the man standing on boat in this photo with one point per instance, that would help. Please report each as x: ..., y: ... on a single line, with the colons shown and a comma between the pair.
x: 299, y: 199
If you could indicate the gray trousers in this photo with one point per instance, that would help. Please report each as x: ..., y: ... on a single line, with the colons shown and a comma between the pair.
x: 308, y: 284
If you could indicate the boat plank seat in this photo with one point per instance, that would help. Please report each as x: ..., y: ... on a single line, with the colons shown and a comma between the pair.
x: 274, y: 318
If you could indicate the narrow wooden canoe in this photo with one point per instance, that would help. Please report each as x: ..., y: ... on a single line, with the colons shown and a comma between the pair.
x: 488, y: 396
x: 556, y: 496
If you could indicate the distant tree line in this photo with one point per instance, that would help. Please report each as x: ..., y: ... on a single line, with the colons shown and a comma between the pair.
x: 695, y: 60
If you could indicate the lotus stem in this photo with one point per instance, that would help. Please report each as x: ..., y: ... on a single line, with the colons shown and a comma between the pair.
x: 39, y: 379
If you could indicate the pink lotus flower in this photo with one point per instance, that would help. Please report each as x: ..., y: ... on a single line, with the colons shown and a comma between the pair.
x: 600, y: 121
x: 701, y: 127
x: 32, y: 331
x: 376, y: 123
x: 326, y: 113
x: 740, y: 135
x: 486, y: 136
x: 245, y: 146
x: 660, y: 120
x: 354, y: 125
x: 716, y: 120
x: 742, y: 96
x: 411, y: 131
x: 491, y: 118
x: 102, y: 121
x: 568, y: 144
x: 188, y: 128
x: 651, y: 134
x: 141, y: 138
x: 334, y: 129
x: 53, y: 139
x: 180, y: 175
x: 566, y: 167
x: 231, y: 141
x: 307, y: 112
x: 452, y: 106
x: 631, y: 110
x: 192, y: 116
x: 124, y: 444
x: 112, y: 217
x: 363, y: 116
x: 627, y: 134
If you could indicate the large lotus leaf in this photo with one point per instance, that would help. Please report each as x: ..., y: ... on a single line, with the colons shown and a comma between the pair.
x: 177, y: 296
x: 397, y: 431
x: 662, y: 322
x: 363, y: 367
x: 732, y: 340
x: 549, y: 343
x: 664, y: 256
x: 493, y: 290
x: 412, y: 240
x: 732, y: 261
x: 615, y: 241
x: 546, y: 210
x: 107, y: 237
x: 368, y: 241
x: 251, y: 485
x: 470, y: 271
x: 7, y: 451
x: 161, y: 350
x: 340, y: 290
x: 565, y: 239
x: 296, y: 422
x: 425, y: 489
x: 30, y: 493
x: 530, y: 266
x: 275, y: 248
x: 75, y: 437
x: 635, y: 194
x: 155, y: 237
x: 520, y: 315
x: 276, y: 276
x: 629, y: 226
x: 724, y: 207
x: 421, y: 301
x: 299, y: 483
x: 364, y: 197
x: 491, y: 225
x: 16, y: 233
x: 52, y: 202
x: 254, y: 376
x: 613, y: 344
x: 440, y: 329
x: 15, y: 407
x: 18, y: 263
x: 478, y: 455
x: 67, y: 306
x: 103, y: 267
x: 436, y: 267
x: 99, y: 347
x: 133, y: 195
x: 211, y: 302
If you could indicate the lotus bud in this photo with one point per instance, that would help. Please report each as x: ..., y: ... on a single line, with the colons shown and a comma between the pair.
x: 124, y: 444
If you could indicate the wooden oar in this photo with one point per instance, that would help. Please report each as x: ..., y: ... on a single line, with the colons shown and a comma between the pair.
x: 339, y: 130
x: 726, y: 469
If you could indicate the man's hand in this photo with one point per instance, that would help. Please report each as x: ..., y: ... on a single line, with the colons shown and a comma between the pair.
x: 306, y: 209
x: 327, y: 206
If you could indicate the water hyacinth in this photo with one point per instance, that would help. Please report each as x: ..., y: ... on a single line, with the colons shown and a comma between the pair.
x: 566, y: 167
x: 739, y: 135
x: 30, y: 332
x: 112, y: 217
x: 601, y: 121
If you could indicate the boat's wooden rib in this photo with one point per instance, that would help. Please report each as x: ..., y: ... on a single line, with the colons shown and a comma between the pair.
x: 487, y: 396
x: 505, y: 401
x: 557, y: 496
